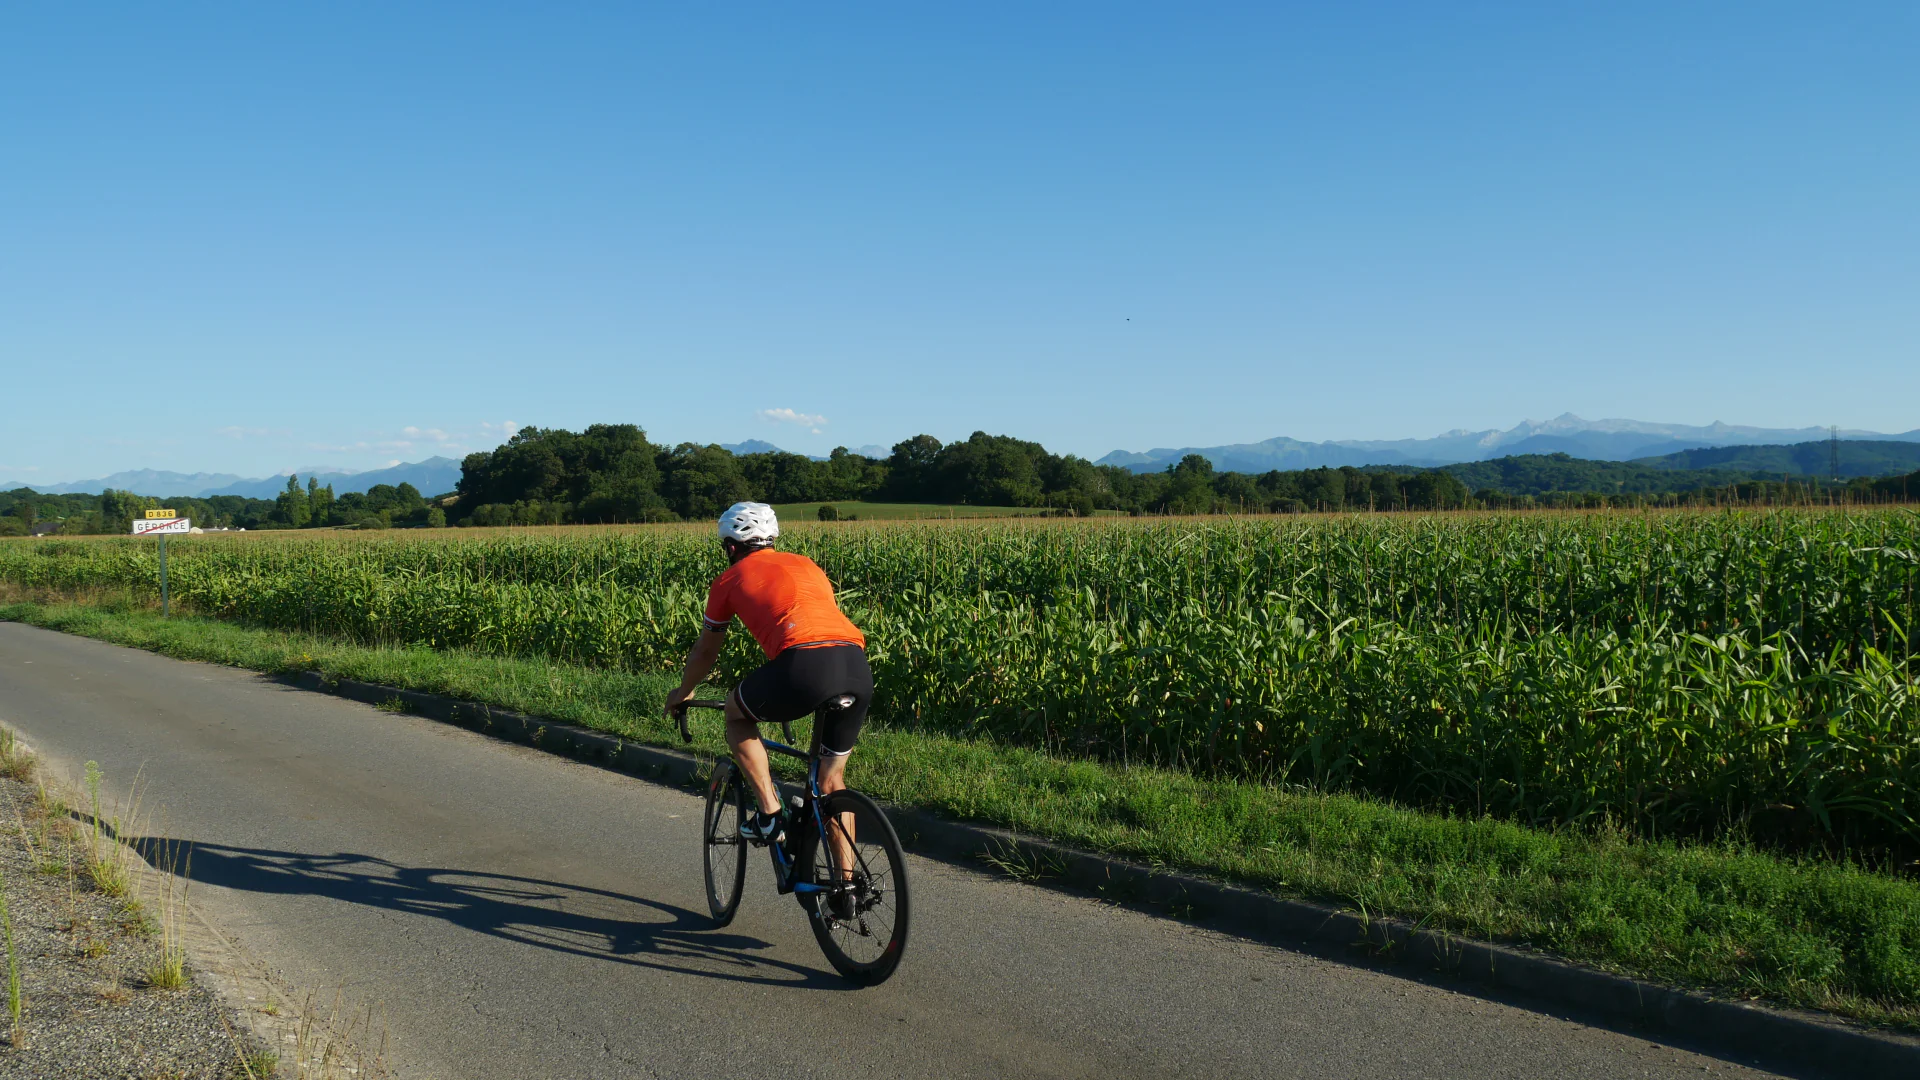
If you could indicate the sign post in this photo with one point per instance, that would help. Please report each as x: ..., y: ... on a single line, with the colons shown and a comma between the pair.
x: 162, y: 523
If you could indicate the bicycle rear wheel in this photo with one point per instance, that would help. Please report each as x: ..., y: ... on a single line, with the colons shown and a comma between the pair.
x: 726, y: 852
x: 862, y: 916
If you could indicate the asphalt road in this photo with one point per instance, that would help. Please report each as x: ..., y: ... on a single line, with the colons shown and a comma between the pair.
x: 517, y: 915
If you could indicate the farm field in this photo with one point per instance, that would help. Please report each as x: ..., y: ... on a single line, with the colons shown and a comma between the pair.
x: 1670, y: 673
x: 1622, y: 683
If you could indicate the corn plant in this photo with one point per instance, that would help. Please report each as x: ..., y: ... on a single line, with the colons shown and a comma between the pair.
x: 1672, y: 671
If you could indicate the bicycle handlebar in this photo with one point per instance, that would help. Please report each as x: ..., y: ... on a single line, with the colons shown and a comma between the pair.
x: 680, y: 714
x: 686, y: 733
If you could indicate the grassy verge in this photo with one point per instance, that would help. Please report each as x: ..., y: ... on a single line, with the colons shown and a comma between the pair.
x: 1721, y: 917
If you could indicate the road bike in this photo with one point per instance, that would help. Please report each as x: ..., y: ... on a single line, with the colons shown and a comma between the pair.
x: 853, y: 887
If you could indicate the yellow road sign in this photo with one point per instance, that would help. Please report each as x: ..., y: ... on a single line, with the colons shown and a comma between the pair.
x: 161, y: 514
x: 163, y: 526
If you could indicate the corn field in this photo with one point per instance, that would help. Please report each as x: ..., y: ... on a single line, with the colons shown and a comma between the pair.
x: 1670, y: 673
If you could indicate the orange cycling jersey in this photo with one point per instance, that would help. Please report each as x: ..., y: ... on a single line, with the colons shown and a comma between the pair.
x: 784, y: 600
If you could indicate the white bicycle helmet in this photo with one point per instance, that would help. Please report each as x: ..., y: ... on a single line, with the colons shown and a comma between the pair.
x: 749, y: 523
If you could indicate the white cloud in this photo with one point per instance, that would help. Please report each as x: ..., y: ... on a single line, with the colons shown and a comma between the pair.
x: 234, y: 431
x: 415, y: 440
x: 411, y: 438
x: 811, y: 421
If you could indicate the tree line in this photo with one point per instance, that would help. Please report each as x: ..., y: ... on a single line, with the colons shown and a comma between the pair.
x: 611, y: 473
x: 24, y: 511
x: 382, y: 506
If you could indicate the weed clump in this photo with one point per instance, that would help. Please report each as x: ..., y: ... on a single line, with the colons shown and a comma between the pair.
x: 168, y: 971
x: 16, y: 762
x: 135, y: 920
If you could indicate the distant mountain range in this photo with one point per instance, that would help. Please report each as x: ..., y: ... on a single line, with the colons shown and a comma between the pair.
x: 434, y: 476
x: 1595, y: 440
x: 1716, y: 446
x: 761, y: 446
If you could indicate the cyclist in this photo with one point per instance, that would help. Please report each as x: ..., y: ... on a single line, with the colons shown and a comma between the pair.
x: 814, y: 655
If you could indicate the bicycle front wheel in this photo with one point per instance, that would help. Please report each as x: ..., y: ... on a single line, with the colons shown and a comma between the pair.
x: 861, y: 914
x: 726, y: 852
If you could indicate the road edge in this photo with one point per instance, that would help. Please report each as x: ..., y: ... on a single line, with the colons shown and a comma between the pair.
x: 1736, y: 1028
x: 263, y: 1005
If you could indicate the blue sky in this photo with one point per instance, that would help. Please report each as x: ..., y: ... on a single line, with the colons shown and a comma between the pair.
x: 253, y: 238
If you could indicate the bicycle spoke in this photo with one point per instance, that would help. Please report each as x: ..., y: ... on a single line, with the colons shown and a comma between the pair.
x: 860, y: 915
x: 726, y: 854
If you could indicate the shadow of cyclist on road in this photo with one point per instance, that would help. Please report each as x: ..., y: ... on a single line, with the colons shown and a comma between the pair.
x: 574, y: 919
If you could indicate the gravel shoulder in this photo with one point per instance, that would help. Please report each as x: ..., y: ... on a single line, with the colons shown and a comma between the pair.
x: 93, y: 967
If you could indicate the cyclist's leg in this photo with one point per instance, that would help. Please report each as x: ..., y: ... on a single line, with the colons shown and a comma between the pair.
x: 770, y: 694
x: 844, y: 675
x: 836, y: 732
x: 833, y: 772
x: 743, y: 735
x: 833, y: 777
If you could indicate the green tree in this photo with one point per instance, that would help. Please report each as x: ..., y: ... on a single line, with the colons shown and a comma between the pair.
x: 910, y: 469
x: 786, y: 478
x: 1323, y: 488
x: 990, y: 470
x: 1238, y: 493
x: 616, y: 476
x: 319, y: 502
x: 609, y: 472
x: 1191, y: 491
x: 118, y: 508
x: 292, y: 508
x: 1435, y: 489
x: 701, y: 481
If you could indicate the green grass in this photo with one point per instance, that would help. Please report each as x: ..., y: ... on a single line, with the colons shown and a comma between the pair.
x: 1721, y: 917
x: 168, y: 971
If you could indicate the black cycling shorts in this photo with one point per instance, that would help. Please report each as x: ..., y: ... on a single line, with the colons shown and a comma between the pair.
x: 802, y: 679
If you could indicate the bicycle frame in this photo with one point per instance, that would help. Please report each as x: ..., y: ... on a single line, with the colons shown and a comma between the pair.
x: 782, y: 857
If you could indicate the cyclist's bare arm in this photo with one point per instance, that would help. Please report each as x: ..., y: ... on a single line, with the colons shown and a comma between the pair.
x: 700, y: 661
x: 742, y: 734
